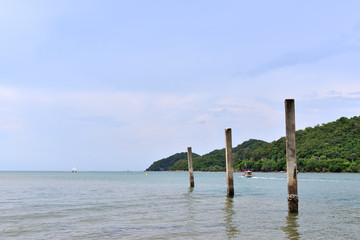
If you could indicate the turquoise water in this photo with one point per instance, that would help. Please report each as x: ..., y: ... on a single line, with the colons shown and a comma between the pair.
x: 160, y: 205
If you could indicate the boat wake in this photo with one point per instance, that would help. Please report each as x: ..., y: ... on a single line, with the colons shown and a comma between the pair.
x: 248, y: 177
x: 271, y: 178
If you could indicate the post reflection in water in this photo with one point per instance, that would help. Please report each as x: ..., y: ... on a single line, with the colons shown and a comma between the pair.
x: 291, y: 227
x: 191, y: 210
x: 231, y: 228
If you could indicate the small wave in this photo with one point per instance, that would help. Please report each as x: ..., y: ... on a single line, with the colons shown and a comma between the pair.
x: 271, y: 178
x: 248, y: 177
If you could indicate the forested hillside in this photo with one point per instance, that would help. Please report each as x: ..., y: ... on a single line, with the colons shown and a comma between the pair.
x: 333, y: 147
x: 165, y: 163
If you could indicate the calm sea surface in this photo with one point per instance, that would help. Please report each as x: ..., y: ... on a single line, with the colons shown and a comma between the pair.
x: 160, y: 205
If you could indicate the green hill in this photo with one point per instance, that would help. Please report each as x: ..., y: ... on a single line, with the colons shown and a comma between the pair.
x: 165, y: 163
x: 333, y: 147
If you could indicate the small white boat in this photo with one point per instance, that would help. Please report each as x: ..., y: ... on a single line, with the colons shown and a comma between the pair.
x: 74, y: 170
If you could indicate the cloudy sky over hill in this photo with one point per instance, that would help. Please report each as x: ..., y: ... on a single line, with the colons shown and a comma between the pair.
x: 116, y: 85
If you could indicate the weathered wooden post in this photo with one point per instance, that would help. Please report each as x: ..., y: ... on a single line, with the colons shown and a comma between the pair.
x: 190, y: 165
x: 291, y: 156
x: 229, y: 163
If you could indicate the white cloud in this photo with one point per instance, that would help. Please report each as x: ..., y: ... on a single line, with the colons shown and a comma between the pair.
x: 202, y: 118
x: 7, y: 93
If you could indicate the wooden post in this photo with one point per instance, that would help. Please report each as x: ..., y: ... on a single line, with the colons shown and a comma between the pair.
x: 291, y: 156
x: 190, y: 165
x: 229, y: 163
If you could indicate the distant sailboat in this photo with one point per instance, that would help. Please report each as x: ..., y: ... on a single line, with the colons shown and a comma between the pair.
x: 74, y: 170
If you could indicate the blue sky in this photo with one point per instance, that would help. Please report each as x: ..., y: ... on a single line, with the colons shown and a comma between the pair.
x: 116, y: 85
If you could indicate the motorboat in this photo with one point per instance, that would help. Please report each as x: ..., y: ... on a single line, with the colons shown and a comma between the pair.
x: 248, y: 174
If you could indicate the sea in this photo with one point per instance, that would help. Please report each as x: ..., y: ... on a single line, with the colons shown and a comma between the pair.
x: 161, y: 205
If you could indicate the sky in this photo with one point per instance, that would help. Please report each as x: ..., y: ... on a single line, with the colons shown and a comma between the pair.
x: 116, y: 85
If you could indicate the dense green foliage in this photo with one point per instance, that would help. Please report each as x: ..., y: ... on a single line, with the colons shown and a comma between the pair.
x: 333, y: 147
x: 165, y: 163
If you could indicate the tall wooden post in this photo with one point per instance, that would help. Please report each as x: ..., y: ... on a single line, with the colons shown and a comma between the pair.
x: 229, y: 163
x: 190, y: 165
x: 291, y: 156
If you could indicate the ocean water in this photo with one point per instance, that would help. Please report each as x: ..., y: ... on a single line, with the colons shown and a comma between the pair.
x: 160, y: 205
